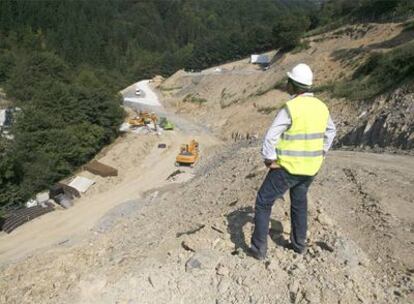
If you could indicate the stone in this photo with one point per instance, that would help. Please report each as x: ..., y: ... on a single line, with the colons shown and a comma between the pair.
x: 301, y: 266
x: 203, y: 259
x: 240, y: 253
x: 223, y: 285
x: 222, y: 270
x: 312, y: 294
x: 294, y: 290
x: 272, y: 266
x: 280, y: 254
x: 294, y: 287
x: 324, y: 219
x: 361, y: 298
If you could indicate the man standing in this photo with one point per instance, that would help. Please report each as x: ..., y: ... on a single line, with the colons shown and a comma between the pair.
x: 293, y: 150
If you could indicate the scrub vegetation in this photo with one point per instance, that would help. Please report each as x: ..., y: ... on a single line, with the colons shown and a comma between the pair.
x: 380, y: 73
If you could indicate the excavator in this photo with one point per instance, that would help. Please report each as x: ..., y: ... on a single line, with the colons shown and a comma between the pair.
x: 188, y: 155
x: 143, y: 119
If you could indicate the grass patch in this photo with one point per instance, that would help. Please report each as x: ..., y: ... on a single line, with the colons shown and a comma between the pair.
x: 380, y: 73
x: 267, y: 110
x: 170, y: 89
x: 408, y: 26
x: 281, y: 84
x: 304, y: 45
x: 326, y: 28
x: 194, y: 99
x: 263, y: 91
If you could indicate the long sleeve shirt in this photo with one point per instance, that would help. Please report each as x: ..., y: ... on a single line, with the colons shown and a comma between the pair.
x: 281, y: 123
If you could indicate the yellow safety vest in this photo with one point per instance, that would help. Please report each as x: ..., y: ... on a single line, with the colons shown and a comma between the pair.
x: 300, y: 148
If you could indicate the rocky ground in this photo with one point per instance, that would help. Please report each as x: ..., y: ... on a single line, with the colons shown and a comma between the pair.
x: 187, y: 243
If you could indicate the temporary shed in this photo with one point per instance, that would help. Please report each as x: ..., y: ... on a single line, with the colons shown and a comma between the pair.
x: 2, y: 117
x: 81, y: 183
x: 259, y: 59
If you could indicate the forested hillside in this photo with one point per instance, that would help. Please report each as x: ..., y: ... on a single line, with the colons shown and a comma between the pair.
x: 138, y: 38
x: 63, y: 62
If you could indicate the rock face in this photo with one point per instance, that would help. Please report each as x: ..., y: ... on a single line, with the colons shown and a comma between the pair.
x: 385, y: 124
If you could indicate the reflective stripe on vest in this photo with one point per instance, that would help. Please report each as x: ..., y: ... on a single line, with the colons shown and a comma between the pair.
x: 300, y: 148
x: 299, y: 153
x: 303, y: 136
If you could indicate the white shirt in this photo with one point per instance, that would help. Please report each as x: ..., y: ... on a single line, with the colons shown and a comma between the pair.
x: 281, y: 123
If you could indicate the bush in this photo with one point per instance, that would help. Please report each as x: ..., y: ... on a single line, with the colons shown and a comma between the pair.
x: 267, y: 110
x: 380, y: 73
x: 194, y: 99
x: 286, y: 33
x: 7, y: 62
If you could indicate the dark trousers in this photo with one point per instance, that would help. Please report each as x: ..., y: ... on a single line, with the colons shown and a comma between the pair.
x: 276, y: 183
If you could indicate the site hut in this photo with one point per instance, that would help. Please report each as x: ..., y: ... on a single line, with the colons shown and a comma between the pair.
x: 262, y: 60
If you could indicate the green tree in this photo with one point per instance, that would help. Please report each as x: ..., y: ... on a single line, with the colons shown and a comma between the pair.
x: 286, y: 33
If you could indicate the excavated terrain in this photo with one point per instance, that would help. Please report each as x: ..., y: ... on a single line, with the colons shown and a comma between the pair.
x: 172, y: 240
x: 188, y: 243
x: 241, y: 100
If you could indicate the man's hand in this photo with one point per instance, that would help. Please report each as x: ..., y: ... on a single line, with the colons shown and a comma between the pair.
x: 271, y: 164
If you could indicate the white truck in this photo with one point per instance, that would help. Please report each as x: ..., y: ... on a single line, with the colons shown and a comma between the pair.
x: 138, y: 91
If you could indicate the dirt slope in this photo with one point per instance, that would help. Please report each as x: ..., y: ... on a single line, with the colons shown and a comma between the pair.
x: 241, y: 100
x: 141, y: 166
x: 187, y: 244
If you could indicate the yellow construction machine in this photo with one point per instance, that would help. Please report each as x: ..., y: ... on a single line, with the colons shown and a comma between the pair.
x: 188, y: 155
x: 143, y: 119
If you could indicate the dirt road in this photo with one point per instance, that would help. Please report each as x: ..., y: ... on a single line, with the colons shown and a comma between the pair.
x: 142, y: 166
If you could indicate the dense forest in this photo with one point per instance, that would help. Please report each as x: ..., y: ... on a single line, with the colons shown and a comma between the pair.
x: 63, y: 62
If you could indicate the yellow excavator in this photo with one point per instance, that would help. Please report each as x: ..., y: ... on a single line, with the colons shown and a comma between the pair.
x: 143, y: 119
x: 188, y: 155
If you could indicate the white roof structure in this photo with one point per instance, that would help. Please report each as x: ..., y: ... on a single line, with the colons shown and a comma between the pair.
x: 261, y: 59
x: 81, y: 183
x: 2, y: 117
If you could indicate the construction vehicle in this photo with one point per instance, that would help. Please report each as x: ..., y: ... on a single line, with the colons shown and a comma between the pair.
x: 188, y: 155
x: 143, y: 119
x: 166, y: 124
x: 137, y: 121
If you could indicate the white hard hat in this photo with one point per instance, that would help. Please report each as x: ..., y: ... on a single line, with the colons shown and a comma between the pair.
x: 302, y: 74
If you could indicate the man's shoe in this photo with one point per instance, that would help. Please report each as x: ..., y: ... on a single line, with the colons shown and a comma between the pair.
x: 256, y: 253
x: 297, y: 250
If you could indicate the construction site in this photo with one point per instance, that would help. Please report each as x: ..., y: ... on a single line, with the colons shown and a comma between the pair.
x: 165, y: 213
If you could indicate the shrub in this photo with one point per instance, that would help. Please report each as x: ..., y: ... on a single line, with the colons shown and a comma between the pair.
x: 194, y: 99
x: 380, y: 73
